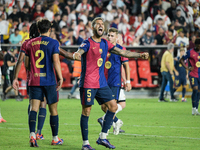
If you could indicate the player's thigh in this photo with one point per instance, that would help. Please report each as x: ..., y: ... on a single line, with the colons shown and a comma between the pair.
x: 115, y: 91
x: 44, y: 103
x: 87, y: 96
x: 36, y: 96
x: 194, y: 82
x: 51, y: 94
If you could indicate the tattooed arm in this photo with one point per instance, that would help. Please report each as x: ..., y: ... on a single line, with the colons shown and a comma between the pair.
x: 129, y: 54
x: 77, y: 55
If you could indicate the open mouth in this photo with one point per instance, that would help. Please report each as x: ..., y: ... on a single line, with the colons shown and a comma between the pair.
x: 100, y: 30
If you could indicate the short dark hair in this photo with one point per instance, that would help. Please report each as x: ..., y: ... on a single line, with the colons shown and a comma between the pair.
x: 33, y: 32
x: 197, y: 41
x: 43, y: 25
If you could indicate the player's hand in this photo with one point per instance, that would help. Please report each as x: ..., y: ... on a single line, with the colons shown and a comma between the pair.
x: 191, y: 68
x: 144, y: 55
x: 76, y: 56
x: 59, y: 84
x: 15, y: 84
x: 128, y: 87
x: 171, y: 72
x: 177, y: 73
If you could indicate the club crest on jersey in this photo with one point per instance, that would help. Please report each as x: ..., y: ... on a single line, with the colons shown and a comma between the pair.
x: 100, y: 51
x: 88, y: 99
x: 83, y: 44
x: 198, y: 64
x: 108, y: 55
x: 108, y: 64
x: 99, y: 62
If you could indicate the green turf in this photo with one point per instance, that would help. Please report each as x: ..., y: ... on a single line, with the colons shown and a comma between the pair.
x: 148, y: 125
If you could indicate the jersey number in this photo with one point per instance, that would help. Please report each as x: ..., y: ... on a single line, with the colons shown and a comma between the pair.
x: 37, y: 63
x: 89, y: 93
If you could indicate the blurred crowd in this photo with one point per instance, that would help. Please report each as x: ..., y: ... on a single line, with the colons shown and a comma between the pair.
x: 153, y: 22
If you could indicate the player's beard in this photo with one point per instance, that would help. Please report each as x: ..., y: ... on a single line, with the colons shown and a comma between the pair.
x: 96, y: 33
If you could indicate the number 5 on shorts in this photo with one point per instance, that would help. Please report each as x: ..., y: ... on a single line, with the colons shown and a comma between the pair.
x: 89, y: 93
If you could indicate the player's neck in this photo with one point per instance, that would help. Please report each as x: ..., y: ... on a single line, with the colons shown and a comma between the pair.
x: 114, y: 43
x: 45, y: 34
x: 96, y: 39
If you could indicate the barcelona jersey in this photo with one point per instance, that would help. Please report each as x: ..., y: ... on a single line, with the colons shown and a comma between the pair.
x: 113, y: 68
x: 40, y: 51
x: 181, y: 70
x: 92, y: 63
x: 23, y: 50
x: 194, y: 61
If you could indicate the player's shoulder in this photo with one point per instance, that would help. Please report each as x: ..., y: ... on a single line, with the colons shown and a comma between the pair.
x: 119, y: 46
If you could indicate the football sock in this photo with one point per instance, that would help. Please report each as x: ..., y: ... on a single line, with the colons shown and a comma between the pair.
x: 86, y: 142
x: 103, y: 135
x: 194, y: 97
x: 84, y: 127
x: 197, y: 100
x: 108, y: 121
x: 119, y: 108
x: 29, y: 109
x: 32, y: 121
x: 115, y: 119
x: 32, y: 134
x: 183, y: 92
x: 41, y: 119
x: 55, y: 138
x: 54, y: 125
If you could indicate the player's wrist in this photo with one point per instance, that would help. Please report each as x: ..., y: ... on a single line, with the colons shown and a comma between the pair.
x: 128, y: 81
x: 74, y: 57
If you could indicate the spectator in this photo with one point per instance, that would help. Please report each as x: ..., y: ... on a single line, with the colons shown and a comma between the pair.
x: 15, y: 24
x: 4, y: 24
x: 15, y: 38
x: 169, y: 38
x: 98, y: 5
x: 117, y: 4
x: 163, y: 16
x: 147, y: 39
x: 63, y: 37
x: 192, y: 42
x: 71, y: 37
x: 148, y: 20
x: 195, y: 8
x: 133, y: 8
x: 182, y: 41
x: 9, y: 62
x: 179, y: 20
x: 3, y: 12
x: 115, y: 22
x: 130, y: 38
x: 171, y: 11
x: 24, y: 33
x: 197, y: 25
x: 14, y: 14
x: 106, y: 15
x: 89, y: 31
x: 81, y: 37
x: 49, y: 13
x: 159, y: 37
x: 114, y: 11
x: 38, y: 12
x: 71, y: 4
x: 25, y: 13
x: 167, y: 67
x: 140, y: 27
x: 84, y: 6
x: 79, y: 27
x: 55, y: 23
x: 63, y: 22
x: 83, y: 16
x: 156, y: 27
x: 183, y: 9
x: 124, y: 27
x: 25, y: 22
x: 72, y: 17
x: 21, y: 3
x: 190, y: 16
x: 6, y: 36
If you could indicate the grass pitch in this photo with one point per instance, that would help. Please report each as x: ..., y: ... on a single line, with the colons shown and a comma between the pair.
x: 148, y: 124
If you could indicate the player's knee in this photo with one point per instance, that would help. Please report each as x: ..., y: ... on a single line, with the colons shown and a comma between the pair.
x: 123, y: 104
x: 112, y: 106
x: 104, y: 107
x: 86, y: 111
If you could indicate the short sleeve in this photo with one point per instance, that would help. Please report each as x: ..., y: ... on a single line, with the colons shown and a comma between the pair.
x: 187, y: 55
x: 85, y: 45
x: 56, y: 49
x: 27, y: 49
x: 23, y: 47
x: 110, y: 45
x: 124, y: 59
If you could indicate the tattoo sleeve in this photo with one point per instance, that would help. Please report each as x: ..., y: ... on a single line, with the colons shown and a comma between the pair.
x: 125, y: 53
x: 80, y: 51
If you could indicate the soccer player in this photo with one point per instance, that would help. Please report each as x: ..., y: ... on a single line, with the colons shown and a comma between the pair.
x: 42, y: 54
x: 180, y: 74
x: 93, y: 84
x: 113, y: 76
x: 194, y: 76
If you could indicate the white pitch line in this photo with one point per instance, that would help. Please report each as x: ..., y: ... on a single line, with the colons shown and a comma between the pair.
x: 178, y: 137
x: 160, y: 136
x: 68, y: 124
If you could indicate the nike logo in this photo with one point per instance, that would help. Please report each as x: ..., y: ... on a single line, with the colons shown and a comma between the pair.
x: 94, y: 47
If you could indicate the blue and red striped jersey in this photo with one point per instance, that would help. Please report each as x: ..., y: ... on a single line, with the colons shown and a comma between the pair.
x: 194, y: 61
x: 113, y: 68
x: 92, y: 63
x: 40, y: 51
